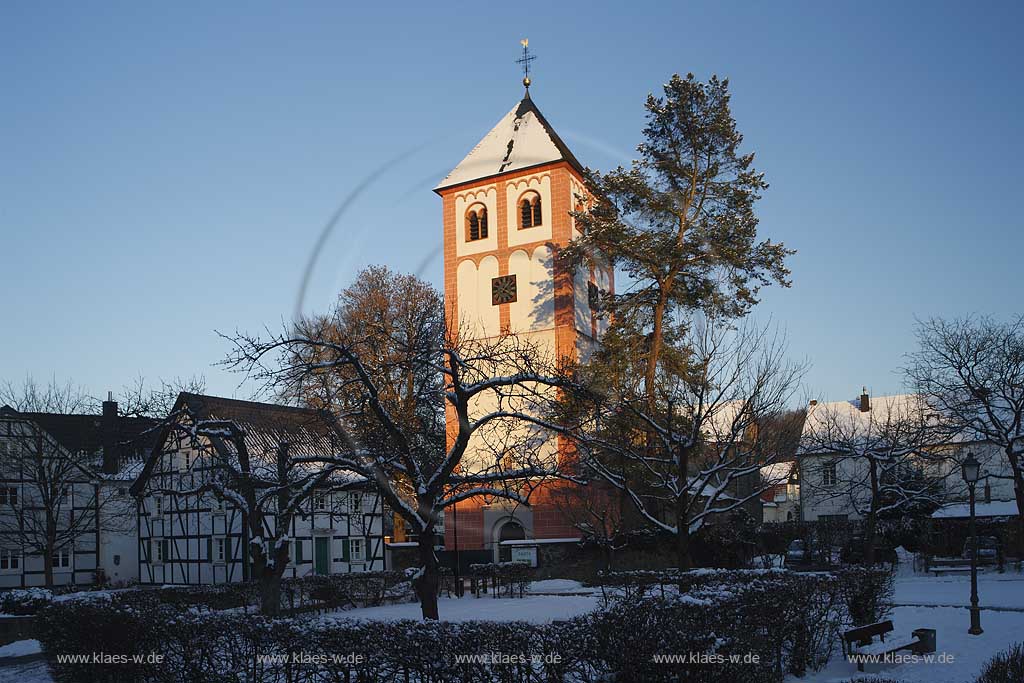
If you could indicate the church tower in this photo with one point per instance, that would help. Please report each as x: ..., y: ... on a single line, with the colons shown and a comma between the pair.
x: 506, y: 215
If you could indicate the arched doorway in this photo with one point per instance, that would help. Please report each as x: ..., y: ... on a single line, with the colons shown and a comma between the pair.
x: 510, y: 531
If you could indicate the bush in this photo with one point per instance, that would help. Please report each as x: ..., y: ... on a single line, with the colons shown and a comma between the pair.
x: 867, y: 593
x: 23, y: 601
x: 1005, y: 666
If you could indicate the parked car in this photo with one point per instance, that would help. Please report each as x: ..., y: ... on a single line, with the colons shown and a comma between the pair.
x: 990, y: 551
x: 798, y: 552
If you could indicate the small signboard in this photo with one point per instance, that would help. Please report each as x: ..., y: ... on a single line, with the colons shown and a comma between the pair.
x: 525, y: 553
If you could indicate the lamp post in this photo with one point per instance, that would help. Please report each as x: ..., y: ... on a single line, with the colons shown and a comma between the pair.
x: 971, y: 471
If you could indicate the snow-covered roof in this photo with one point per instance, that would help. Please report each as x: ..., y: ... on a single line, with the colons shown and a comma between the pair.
x: 777, y: 472
x: 997, y: 508
x: 845, y: 421
x: 522, y: 139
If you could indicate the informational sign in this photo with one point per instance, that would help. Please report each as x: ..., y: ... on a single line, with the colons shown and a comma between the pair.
x: 525, y: 553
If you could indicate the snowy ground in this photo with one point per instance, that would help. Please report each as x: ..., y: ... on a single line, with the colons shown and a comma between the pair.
x: 533, y: 608
x: 925, y: 602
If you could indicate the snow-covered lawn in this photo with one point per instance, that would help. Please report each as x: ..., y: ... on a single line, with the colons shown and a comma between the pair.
x: 21, y: 648
x: 994, y: 590
x: 968, y: 653
x: 532, y: 608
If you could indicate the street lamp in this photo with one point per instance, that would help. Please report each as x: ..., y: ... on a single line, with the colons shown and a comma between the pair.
x: 971, y: 471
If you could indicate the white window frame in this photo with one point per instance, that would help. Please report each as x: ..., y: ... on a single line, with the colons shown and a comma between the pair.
x: 220, y: 550
x: 355, y: 502
x: 158, y: 506
x: 11, y: 558
x: 6, y: 493
x: 359, y: 543
x: 320, y: 502
x: 62, y: 558
x: 829, y: 474
x: 158, y: 550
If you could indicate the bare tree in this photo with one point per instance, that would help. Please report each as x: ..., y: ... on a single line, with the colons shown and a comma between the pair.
x: 52, y: 495
x: 699, y: 455
x: 431, y: 419
x: 972, y: 372
x: 879, y: 459
x: 156, y: 400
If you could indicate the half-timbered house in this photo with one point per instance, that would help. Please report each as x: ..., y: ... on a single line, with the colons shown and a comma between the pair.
x: 64, y: 481
x: 195, y: 532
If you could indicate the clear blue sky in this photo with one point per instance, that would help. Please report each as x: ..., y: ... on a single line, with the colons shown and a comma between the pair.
x: 165, y: 168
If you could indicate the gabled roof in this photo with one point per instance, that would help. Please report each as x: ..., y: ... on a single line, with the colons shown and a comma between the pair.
x: 522, y: 139
x: 265, y: 424
x: 83, y: 434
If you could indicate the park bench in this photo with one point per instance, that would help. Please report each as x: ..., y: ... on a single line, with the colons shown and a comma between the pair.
x: 861, y: 641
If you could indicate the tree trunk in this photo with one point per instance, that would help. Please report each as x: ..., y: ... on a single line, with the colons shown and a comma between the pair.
x: 428, y: 582
x: 270, y: 593
x: 872, y: 520
x: 683, y: 548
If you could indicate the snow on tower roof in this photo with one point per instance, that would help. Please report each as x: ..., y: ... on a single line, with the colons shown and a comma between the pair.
x: 522, y: 139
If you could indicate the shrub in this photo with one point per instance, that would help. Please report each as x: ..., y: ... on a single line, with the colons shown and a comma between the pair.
x: 25, y: 600
x: 1005, y: 666
x: 867, y: 593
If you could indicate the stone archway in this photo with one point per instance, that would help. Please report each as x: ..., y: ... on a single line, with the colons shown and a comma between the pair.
x: 511, y: 530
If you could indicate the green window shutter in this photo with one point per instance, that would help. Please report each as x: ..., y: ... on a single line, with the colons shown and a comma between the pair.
x: 149, y: 549
x: 298, y: 551
x: 166, y: 549
x: 344, y: 550
x: 209, y: 549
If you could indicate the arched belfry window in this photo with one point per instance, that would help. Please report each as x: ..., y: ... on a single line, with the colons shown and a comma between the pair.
x: 530, y: 211
x: 476, y: 223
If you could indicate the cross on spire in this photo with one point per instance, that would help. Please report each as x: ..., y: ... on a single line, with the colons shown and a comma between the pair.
x: 525, y: 60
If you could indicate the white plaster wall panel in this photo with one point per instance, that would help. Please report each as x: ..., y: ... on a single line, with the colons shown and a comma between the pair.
x: 542, y: 272
x: 514, y: 191
x: 581, y: 299
x: 488, y: 314
x: 520, y: 310
x: 534, y: 308
x: 466, y: 283
x: 488, y: 196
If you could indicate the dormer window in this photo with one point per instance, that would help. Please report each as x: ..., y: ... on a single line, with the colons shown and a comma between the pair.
x: 529, y: 211
x: 476, y: 223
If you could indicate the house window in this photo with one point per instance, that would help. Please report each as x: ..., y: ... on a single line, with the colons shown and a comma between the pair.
x: 10, y: 560
x: 161, y: 550
x: 828, y: 474
x: 355, y: 503
x: 320, y: 502
x: 61, y: 558
x: 476, y: 223
x: 529, y: 211
x: 9, y: 496
x: 158, y: 506
x: 356, y: 549
x: 298, y: 551
x: 219, y: 549
x: 503, y: 290
x: 593, y: 296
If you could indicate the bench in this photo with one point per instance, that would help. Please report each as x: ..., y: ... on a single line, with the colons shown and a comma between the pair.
x: 947, y: 569
x: 860, y: 641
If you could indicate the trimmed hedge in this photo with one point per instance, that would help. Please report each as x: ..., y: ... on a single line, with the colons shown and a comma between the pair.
x: 334, y: 591
x: 728, y: 626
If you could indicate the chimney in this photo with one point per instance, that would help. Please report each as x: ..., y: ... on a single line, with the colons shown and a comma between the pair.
x: 108, y: 427
x: 865, y: 400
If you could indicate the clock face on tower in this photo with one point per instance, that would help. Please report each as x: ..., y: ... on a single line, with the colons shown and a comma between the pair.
x: 503, y: 290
